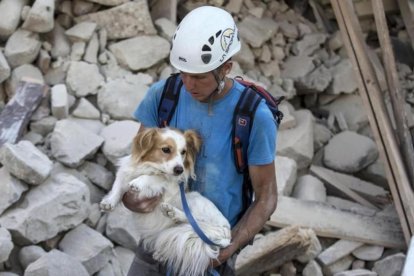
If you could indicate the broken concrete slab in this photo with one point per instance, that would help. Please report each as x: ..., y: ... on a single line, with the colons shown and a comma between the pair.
x: 327, y: 221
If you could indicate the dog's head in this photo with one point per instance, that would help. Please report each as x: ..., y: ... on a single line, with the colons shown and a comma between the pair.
x: 169, y: 151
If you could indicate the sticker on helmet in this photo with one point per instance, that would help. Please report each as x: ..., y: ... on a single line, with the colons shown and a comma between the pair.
x: 227, y: 39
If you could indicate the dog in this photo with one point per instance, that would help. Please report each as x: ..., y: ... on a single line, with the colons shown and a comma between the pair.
x: 160, y: 159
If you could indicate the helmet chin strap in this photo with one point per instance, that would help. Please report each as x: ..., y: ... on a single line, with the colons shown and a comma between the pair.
x: 220, y: 86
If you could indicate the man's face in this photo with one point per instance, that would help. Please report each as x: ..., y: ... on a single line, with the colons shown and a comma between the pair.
x: 200, y: 86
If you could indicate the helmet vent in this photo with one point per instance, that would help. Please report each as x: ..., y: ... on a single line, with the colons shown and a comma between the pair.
x: 206, y: 58
x: 206, y: 48
x: 211, y: 40
x: 218, y: 33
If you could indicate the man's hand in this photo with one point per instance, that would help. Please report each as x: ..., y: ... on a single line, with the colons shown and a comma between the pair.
x: 132, y: 201
x: 224, y: 254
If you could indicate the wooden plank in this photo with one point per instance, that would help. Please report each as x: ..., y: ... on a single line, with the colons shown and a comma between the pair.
x: 363, y: 8
x: 328, y: 221
x: 379, y: 121
x: 397, y: 95
x: 16, y: 114
x: 352, y: 187
x: 406, y: 9
x: 325, y: 176
x: 273, y: 250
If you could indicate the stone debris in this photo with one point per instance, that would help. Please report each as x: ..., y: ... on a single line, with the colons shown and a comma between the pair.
x: 98, y: 57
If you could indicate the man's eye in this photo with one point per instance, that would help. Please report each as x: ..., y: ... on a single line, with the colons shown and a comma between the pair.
x: 166, y: 150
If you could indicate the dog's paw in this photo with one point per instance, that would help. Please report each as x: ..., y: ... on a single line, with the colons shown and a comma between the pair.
x: 173, y: 213
x: 107, y: 204
x: 167, y: 209
x: 135, y: 185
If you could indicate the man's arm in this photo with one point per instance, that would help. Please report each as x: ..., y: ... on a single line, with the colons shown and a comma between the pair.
x: 265, y: 188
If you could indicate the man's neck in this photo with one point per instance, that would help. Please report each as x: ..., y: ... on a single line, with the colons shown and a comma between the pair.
x: 227, y: 87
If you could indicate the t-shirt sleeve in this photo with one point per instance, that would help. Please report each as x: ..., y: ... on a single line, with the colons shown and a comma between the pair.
x: 147, y: 111
x: 262, y: 143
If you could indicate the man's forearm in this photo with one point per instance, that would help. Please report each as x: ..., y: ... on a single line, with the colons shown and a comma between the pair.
x: 248, y: 226
x: 253, y: 221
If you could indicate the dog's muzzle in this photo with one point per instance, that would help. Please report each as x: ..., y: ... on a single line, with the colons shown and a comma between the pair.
x: 178, y: 170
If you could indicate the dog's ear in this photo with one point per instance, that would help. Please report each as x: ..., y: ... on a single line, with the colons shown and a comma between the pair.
x: 193, y: 141
x: 143, y: 142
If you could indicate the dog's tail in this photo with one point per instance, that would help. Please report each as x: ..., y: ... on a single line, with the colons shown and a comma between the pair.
x: 182, y: 250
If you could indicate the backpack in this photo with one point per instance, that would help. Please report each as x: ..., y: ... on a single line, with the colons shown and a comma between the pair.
x: 242, y: 121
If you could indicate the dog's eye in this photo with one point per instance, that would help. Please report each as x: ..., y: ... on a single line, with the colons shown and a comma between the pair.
x: 166, y: 150
x: 183, y: 152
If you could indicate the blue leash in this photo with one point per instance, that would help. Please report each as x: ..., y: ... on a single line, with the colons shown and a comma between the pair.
x: 191, y: 219
x: 196, y: 228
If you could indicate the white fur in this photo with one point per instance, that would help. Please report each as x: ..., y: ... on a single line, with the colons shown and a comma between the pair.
x: 175, y: 243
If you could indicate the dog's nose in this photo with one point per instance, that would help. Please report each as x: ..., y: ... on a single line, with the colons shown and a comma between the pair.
x: 178, y: 170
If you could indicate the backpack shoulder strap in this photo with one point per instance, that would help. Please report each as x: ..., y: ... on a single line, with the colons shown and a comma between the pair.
x: 242, y: 123
x: 169, y: 99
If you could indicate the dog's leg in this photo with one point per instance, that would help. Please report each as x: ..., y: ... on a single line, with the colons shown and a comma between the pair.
x: 173, y: 213
x: 119, y: 187
x: 147, y: 185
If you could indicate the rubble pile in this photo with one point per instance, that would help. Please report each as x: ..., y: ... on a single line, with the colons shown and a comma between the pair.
x: 99, y: 57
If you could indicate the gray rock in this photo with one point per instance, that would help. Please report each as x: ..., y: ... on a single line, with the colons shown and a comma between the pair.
x: 41, y: 16
x: 256, y: 31
x: 6, y: 244
x: 81, y: 32
x: 369, y: 252
x: 59, y: 204
x: 30, y: 254
x: 135, y: 54
x: 98, y: 175
x: 84, y: 79
x: 56, y: 263
x: 118, y: 139
x: 4, y: 68
x: 132, y: 18
x: 286, y: 173
x: 390, y: 266
x: 72, y: 144
x: 12, y: 188
x: 297, y: 142
x: 10, y: 16
x: 350, y: 152
x: 85, y: 109
x: 88, y: 246
x: 309, y: 187
x: 22, y: 48
x: 117, y: 106
x: 337, y: 251
x: 26, y: 162
x: 356, y: 272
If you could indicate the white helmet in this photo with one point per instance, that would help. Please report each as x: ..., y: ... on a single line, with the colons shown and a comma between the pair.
x: 205, y: 39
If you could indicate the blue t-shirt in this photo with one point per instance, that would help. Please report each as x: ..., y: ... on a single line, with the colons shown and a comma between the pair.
x: 217, y: 177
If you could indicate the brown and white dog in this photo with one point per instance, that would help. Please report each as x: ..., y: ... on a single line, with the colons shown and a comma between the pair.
x: 160, y: 160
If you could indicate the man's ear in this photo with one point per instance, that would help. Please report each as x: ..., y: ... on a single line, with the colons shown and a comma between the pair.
x: 227, y: 67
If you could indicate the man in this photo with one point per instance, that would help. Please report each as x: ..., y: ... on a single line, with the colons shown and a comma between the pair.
x: 202, y: 48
